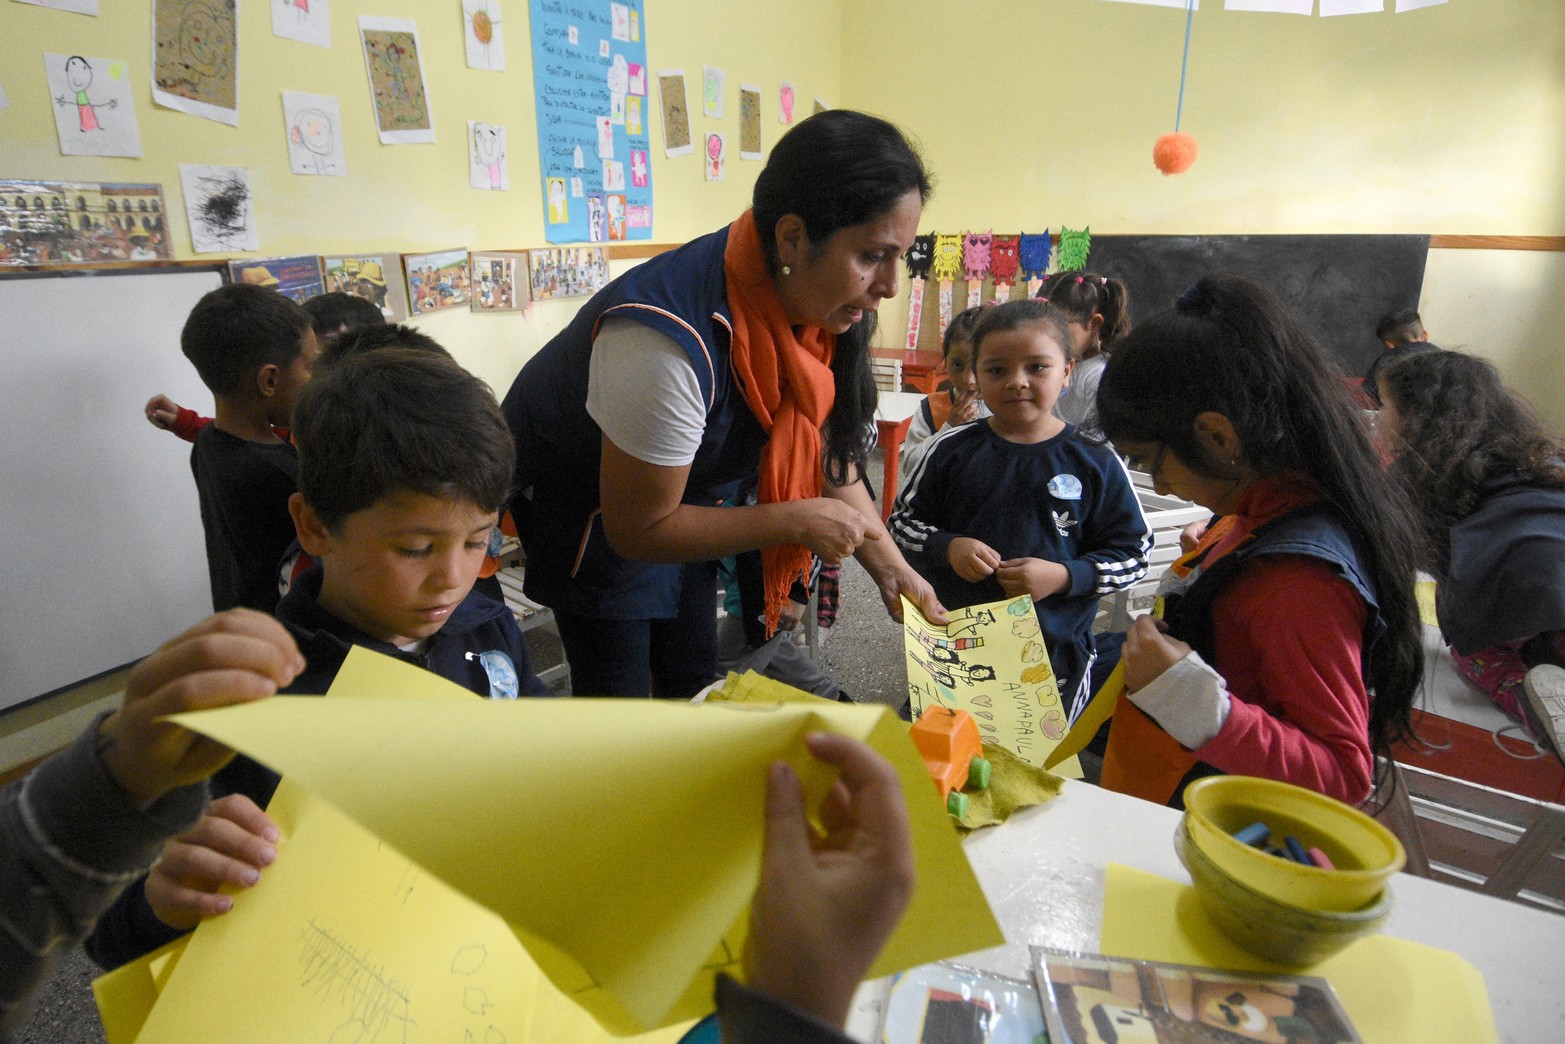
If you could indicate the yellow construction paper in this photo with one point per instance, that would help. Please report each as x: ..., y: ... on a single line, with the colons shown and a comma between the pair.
x: 126, y: 995
x: 1424, y: 591
x: 1392, y: 989
x: 620, y: 839
x: 1099, y: 710
x: 990, y: 662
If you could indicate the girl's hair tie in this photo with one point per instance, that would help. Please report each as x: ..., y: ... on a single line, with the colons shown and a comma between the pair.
x: 1103, y: 280
x: 1079, y: 280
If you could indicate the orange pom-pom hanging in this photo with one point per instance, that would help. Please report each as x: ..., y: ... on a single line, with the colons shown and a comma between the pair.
x: 1174, y: 152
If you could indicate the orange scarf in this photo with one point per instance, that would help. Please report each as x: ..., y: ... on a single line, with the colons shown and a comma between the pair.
x: 785, y: 376
x: 1141, y: 759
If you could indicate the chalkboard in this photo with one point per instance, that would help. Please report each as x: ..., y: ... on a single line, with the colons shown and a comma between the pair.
x: 1341, y: 285
x: 101, y: 552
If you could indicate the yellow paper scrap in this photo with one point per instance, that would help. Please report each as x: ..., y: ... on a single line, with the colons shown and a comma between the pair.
x: 1392, y: 989
x: 1424, y: 591
x: 126, y: 995
x: 1099, y: 709
x: 619, y: 839
x: 990, y: 662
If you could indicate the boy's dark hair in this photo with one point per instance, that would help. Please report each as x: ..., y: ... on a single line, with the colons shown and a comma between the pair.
x: 373, y: 339
x: 1400, y: 327
x: 335, y: 310
x: 1461, y: 428
x: 399, y: 419
x: 1080, y: 295
x: 961, y: 328
x: 1230, y: 346
x: 236, y: 329
x: 1013, y: 315
x: 837, y: 169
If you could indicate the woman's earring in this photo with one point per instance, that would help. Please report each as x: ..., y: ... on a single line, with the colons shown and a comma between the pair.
x: 787, y: 270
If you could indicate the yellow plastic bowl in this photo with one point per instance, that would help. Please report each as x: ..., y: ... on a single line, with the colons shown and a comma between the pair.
x: 1364, y: 853
x: 1267, y: 928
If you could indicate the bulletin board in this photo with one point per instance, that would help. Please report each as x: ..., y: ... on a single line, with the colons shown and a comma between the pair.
x: 104, y: 556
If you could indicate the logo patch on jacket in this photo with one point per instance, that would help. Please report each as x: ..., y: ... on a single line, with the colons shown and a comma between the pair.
x: 1062, y: 522
x: 504, y: 684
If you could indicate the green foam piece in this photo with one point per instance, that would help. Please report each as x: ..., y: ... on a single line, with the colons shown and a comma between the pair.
x: 978, y: 774
x: 956, y: 804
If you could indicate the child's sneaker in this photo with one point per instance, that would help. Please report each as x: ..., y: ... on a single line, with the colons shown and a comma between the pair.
x: 1545, y: 689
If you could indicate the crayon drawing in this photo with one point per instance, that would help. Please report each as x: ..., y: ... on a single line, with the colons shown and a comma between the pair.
x: 308, y: 21
x: 481, y: 30
x: 486, y: 157
x: 195, y: 57
x: 785, y: 98
x: 396, y: 75
x: 749, y: 122
x: 499, y: 282
x: 218, y: 203
x: 712, y: 82
x: 94, y: 109
x: 70, y: 222
x: 436, y: 280
x: 676, y: 113
x: 314, y: 133
x: 716, y: 157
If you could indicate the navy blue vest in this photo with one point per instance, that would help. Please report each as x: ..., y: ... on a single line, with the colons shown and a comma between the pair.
x: 570, y: 566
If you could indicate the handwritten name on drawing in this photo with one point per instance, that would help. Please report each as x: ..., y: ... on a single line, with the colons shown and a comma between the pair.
x: 332, y: 970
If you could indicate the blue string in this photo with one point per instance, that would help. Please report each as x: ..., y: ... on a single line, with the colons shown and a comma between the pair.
x: 1179, y: 109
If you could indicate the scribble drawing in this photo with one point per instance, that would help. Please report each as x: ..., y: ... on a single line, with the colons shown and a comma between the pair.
x: 78, y: 77
x: 224, y: 209
x: 469, y: 959
x: 196, y: 49
x: 333, y: 971
x: 313, y: 135
x: 394, y: 74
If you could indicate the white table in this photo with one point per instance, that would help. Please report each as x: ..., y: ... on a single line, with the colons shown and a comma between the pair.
x: 1043, y: 873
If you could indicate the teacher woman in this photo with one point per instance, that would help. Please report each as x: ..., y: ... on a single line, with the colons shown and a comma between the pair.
x: 742, y: 355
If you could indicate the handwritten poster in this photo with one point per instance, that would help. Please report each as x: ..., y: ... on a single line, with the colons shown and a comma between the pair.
x: 590, y: 84
x: 990, y: 662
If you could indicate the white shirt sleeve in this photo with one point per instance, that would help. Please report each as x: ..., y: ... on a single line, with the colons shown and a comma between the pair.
x: 1189, y: 700
x: 642, y: 391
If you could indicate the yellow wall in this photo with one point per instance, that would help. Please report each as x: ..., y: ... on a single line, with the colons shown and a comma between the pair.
x: 415, y: 197
x: 1446, y: 120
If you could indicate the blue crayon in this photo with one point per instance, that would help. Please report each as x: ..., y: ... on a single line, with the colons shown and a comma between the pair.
x: 1254, y: 835
x: 1297, y: 852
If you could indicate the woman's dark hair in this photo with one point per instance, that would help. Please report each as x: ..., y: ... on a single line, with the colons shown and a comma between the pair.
x: 1013, y: 315
x: 837, y: 169
x: 1081, y: 295
x: 1231, y: 347
x: 1461, y: 427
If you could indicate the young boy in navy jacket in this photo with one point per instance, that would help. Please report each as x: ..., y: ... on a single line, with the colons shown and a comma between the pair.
x: 404, y: 462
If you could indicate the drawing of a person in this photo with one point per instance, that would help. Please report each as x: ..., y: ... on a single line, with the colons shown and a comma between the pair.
x: 78, y: 77
x: 714, y: 156
x: 312, y: 131
x: 559, y: 210
x: 486, y: 143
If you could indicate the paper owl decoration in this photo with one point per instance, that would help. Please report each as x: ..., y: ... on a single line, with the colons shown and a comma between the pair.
x: 919, y: 255
x: 1075, y: 245
x: 1034, y: 251
x: 1003, y: 261
x: 975, y: 254
x: 948, y: 257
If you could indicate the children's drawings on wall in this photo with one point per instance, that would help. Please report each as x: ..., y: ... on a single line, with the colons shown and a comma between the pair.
x: 436, y: 280
x: 219, y: 205
x: 195, y: 58
x: 481, y: 31
x: 486, y: 157
x: 366, y: 277
x: 499, y: 282
x: 713, y: 81
x: 749, y: 122
x: 785, y: 99
x: 676, y: 113
x: 308, y: 21
x: 314, y: 133
x: 71, y: 222
x: 990, y: 662
x: 567, y: 272
x: 297, y: 278
x: 86, y: 7
x: 716, y: 157
x: 589, y: 85
x: 94, y: 109
x: 396, y: 73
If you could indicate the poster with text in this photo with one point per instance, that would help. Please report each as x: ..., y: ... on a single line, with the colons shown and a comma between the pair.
x: 589, y: 66
x: 396, y: 74
x: 297, y: 278
x: 308, y: 21
x: 195, y: 58
x: 94, y: 110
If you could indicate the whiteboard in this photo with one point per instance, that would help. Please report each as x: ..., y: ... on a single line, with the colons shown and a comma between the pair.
x: 103, y: 557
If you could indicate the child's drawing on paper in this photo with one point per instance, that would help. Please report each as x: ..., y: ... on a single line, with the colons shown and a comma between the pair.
x: 481, y: 29
x: 94, y: 111
x: 632, y: 115
x: 597, y: 218
x: 487, y: 167
x: 712, y: 80
x: 218, y: 203
x: 714, y: 157
x: 987, y: 662
x: 785, y: 97
x: 396, y: 81
x: 314, y: 140
x: 749, y: 123
x: 308, y: 21
x: 616, y: 208
x: 196, y: 54
x: 676, y: 114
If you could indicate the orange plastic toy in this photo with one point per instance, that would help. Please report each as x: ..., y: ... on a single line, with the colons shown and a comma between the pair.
x: 948, y: 742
